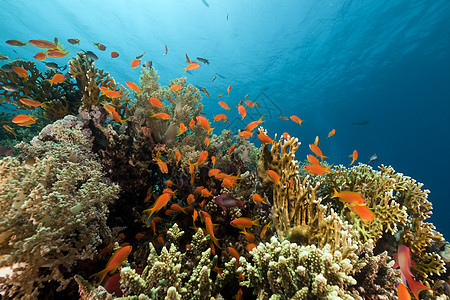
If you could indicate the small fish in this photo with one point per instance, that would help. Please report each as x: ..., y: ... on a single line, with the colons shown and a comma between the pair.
x: 284, y: 118
x: 114, y: 262
x: 16, y: 43
x: 148, y: 64
x: 133, y: 86
x: 223, y: 105
x: 112, y: 111
x: 162, y: 116
x: 317, y: 169
x: 190, y: 199
x: 229, y: 89
x: 254, y: 124
x: 10, y: 130
x: 191, y: 123
x: 30, y: 102
x: 175, y: 87
x: 373, y: 158
x: 209, y: 227
x: 332, y: 132
x: 243, y: 222
x: 231, y: 149
x: 352, y: 198
x: 43, y: 44
x: 165, y: 50
x: 296, y: 119
x: 354, y: 156
x: 213, y: 160
x: 114, y: 54
x: 264, y: 230
x: 204, y: 123
x: 100, y: 46
x: 140, y: 56
x: 221, y: 117
x: 205, y: 3
x: 206, y: 92
x: 249, y: 103
x: 201, y: 159
x: 213, y: 172
x: 10, y: 87
x: 155, y: 102
x: 264, y: 138
x: 214, y: 78
x: 258, y: 199
x: 316, y: 141
x: 316, y: 150
x: 23, y: 120
x: 135, y: 63
x: 402, y: 292
x: 220, y: 95
x: 73, y: 41
x: 57, y: 78
x: 274, y: 176
x: 203, y: 60
x: 159, y: 203
x: 206, y: 141
x: 188, y: 61
x: 245, y: 134
x: 21, y: 72
x: 40, y: 55
x: 109, y: 93
x: 3, y: 57
x: 312, y: 159
x: 52, y: 66
x: 177, y: 156
x: 242, y: 111
x: 56, y: 53
x: 5, y: 151
x: 91, y: 55
x: 182, y: 129
x: 192, y: 66
x: 286, y: 136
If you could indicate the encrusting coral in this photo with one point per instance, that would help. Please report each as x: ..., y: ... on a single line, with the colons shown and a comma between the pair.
x: 53, y: 200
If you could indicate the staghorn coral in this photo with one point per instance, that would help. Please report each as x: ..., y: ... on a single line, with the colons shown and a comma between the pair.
x: 53, y: 200
x: 288, y: 270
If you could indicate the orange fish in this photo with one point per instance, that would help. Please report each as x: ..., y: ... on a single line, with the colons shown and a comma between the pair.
x: 57, y: 78
x: 264, y: 230
x: 249, y: 103
x: 190, y: 200
x: 201, y: 159
x: 16, y: 43
x: 221, y: 117
x: 43, y: 44
x: 109, y: 93
x: 114, y: 54
x: 135, y: 63
x: 248, y: 236
x: 21, y: 72
x: 162, y: 116
x: 206, y: 92
x: 204, y: 123
x: 213, y: 160
x: 317, y: 151
x: 317, y: 169
x: 249, y: 247
x: 213, y: 172
x: 231, y: 149
x: 316, y: 141
x: 192, y: 66
x: 168, y: 183
x: 220, y: 95
x: 160, y: 203
x: 284, y: 118
x: 177, y: 156
x: 274, y: 176
x: 254, y: 124
x: 133, y: 86
x: 22, y: 119
x: 214, y: 78
x: 176, y: 207
x: 354, y: 156
x: 100, y: 46
x: 30, y: 102
x: 112, y: 111
x: 239, y: 294
x: 162, y: 165
x: 205, y: 193
x: 228, y: 89
x: 114, y: 262
x: 209, y: 227
x: 296, y: 119
x: 165, y: 50
x: 56, y: 53
x: 352, y: 198
x: 182, y: 129
x: 223, y: 104
x: 206, y: 142
x: 245, y: 134
x: 258, y: 199
x: 243, y: 222
x: 264, y: 138
x: 363, y: 212
x: 191, y: 123
x: 175, y: 87
x: 40, y: 55
x: 74, y: 41
x: 312, y: 159
x: 242, y: 111
x: 332, y: 132
x: 403, y: 293
x: 10, y: 130
x: 234, y: 253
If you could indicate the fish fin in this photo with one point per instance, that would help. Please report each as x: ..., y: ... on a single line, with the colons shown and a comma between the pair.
x: 416, y: 287
x: 100, y: 275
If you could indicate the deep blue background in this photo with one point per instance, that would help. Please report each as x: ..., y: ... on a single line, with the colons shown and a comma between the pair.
x: 329, y: 62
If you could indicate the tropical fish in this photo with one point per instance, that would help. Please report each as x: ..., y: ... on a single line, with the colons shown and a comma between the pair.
x: 40, y: 55
x: 366, y: 215
x: 204, y: 123
x: 191, y: 123
x: 245, y: 134
x: 10, y: 130
x: 112, y: 111
x: 165, y: 50
x: 316, y: 150
x: 5, y: 151
x: 264, y: 230
x: 30, y: 102
x: 248, y: 236
x: 133, y: 86
x: 43, y: 44
x: 73, y: 41
x: 148, y: 64
x: 224, y: 105
x: 114, y: 54
x: 228, y: 89
x: 206, y: 193
x: 162, y: 116
x: 402, y: 292
x: 91, y: 55
x: 209, y: 227
x: 177, y: 156
x: 3, y: 57
x: 274, y: 176
x: 234, y: 253
x: 352, y: 198
x: 135, y: 63
x: 192, y: 66
x: 214, y: 78
x: 21, y: 72
x: 220, y: 95
x: 16, y: 43
x: 283, y: 118
x: 203, y: 60
x: 312, y: 159
x: 206, y: 92
x: 10, y: 87
x: 201, y: 159
x: 57, y: 78
x: 354, y: 156
x: 182, y: 129
x: 159, y: 203
x: 317, y: 169
x: 373, y: 158
x: 220, y: 117
x: 258, y: 199
x: 140, y: 56
x: 213, y: 160
x: 155, y: 102
x: 114, y: 262
x: 56, y: 54
x: 244, y: 222
x: 231, y: 149
x: 249, y: 103
x: 100, y: 46
x: 254, y: 124
x: 296, y: 119
x: 175, y: 87
x: 53, y: 66
x: 206, y: 141
x: 109, y: 93
x: 332, y: 132
x: 242, y: 111
x: 316, y: 141
x: 361, y: 122
x: 264, y: 138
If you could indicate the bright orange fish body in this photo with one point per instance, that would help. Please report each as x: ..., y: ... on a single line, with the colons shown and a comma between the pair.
x: 223, y: 105
x: 30, y: 102
x: 162, y: 116
x: 245, y: 134
x: 182, y: 129
x: 354, y: 156
x: 296, y: 119
x: 109, y: 93
x: 317, y: 169
x: 22, y: 119
x: 175, y: 87
x: 114, y: 262
x: 112, y: 111
x: 202, y: 158
x: 133, y: 86
x: 349, y: 197
x: 258, y: 199
x: 40, y: 55
x: 21, y: 72
x: 209, y: 226
x: 43, y: 44
x: 274, y: 176
x: 191, y: 123
x: 56, y: 53
x: 254, y: 124
x: 231, y: 149
x: 221, y: 117
x: 312, y: 159
x: 177, y: 156
x: 249, y: 103
x: 316, y: 150
x: 366, y: 215
x: 192, y: 66
x: 242, y: 111
x: 402, y: 292
x: 160, y: 203
x: 332, y: 132
x: 57, y: 78
x: 243, y: 222
x: 135, y: 63
x: 204, y: 123
x: 10, y: 130
x: 264, y: 138
x: 213, y: 172
x: 228, y: 89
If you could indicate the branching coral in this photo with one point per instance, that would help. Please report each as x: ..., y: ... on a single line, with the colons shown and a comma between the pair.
x: 53, y: 202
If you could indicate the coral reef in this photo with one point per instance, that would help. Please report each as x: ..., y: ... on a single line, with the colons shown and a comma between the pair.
x: 53, y: 198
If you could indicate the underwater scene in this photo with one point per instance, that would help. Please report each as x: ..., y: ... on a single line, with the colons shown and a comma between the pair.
x: 212, y: 149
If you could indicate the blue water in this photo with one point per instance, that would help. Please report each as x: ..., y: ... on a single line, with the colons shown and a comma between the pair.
x: 329, y: 62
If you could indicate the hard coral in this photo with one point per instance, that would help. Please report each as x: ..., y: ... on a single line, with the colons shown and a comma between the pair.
x: 53, y: 200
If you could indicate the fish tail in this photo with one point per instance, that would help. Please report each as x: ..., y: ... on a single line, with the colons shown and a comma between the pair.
x: 51, y: 82
x: 100, y: 275
x: 256, y: 222
x: 416, y: 287
x: 336, y: 194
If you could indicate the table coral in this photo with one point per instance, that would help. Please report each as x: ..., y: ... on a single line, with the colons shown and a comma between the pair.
x: 54, y: 211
